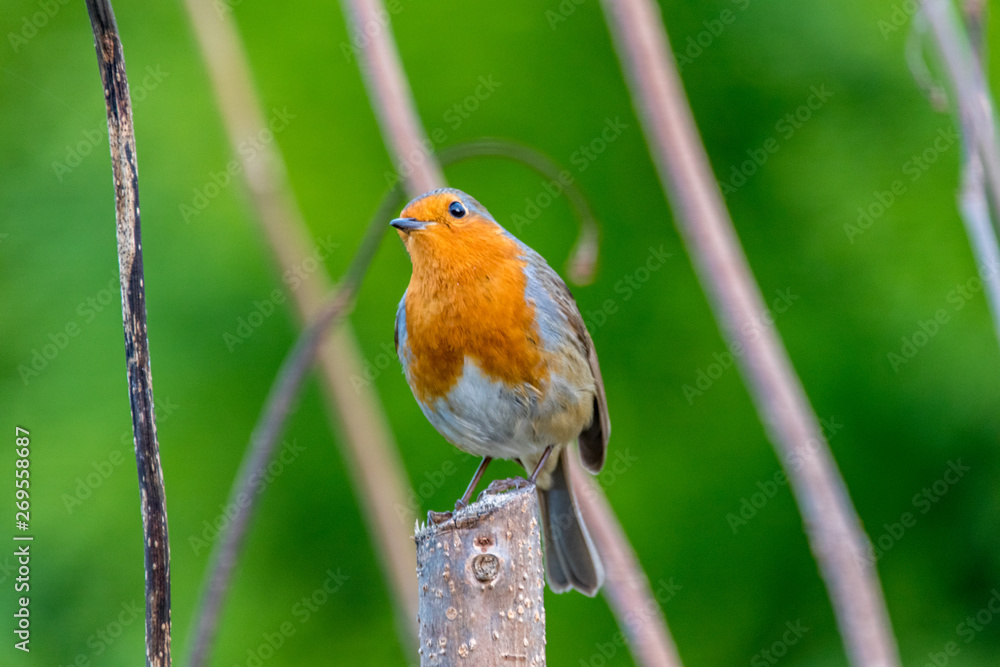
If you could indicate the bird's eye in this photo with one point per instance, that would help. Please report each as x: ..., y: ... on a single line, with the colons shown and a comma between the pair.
x: 457, y: 210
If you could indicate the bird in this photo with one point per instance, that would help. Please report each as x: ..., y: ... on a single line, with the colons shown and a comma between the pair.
x: 498, y: 357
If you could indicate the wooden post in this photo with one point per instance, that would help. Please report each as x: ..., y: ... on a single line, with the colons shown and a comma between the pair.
x: 481, y: 584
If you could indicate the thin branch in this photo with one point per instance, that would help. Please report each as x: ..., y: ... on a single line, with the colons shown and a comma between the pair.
x: 381, y: 485
x: 975, y: 112
x: 626, y: 585
x: 270, y: 425
x: 121, y: 137
x: 972, y: 97
x: 392, y: 99
x: 831, y: 523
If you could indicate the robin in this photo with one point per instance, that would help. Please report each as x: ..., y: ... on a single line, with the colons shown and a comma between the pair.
x: 501, y: 364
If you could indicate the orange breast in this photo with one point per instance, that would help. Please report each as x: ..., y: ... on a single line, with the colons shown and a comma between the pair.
x: 466, y: 299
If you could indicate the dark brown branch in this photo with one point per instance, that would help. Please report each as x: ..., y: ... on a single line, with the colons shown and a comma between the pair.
x: 121, y: 136
x: 831, y: 524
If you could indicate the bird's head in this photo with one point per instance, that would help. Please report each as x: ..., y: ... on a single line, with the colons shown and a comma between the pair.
x: 447, y: 225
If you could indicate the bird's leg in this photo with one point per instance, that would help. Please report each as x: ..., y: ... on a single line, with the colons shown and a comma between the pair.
x: 541, y: 463
x: 502, y: 485
x: 474, y: 483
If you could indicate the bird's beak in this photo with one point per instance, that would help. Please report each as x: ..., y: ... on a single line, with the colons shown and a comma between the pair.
x: 407, y: 224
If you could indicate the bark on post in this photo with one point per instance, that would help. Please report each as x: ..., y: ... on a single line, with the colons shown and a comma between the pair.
x: 481, y: 584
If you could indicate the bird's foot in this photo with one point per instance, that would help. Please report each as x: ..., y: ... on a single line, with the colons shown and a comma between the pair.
x: 437, y: 518
x: 498, y: 486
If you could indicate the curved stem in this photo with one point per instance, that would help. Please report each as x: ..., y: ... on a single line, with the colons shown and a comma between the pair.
x: 834, y: 530
x: 260, y: 450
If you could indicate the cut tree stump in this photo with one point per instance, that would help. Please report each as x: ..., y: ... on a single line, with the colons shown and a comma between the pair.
x: 482, y: 584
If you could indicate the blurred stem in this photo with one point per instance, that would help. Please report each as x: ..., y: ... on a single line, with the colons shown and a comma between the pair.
x: 380, y: 482
x: 270, y: 425
x: 962, y: 51
x: 831, y: 523
x: 153, y: 501
x: 392, y: 99
x: 626, y: 586
x: 973, y: 102
x: 982, y: 221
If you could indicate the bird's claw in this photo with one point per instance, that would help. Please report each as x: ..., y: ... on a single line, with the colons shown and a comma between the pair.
x: 437, y: 518
x: 499, y: 486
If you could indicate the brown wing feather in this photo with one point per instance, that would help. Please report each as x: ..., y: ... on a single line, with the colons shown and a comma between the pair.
x: 593, y: 439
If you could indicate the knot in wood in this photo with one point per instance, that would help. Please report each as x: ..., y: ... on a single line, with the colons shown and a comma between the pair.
x: 485, y: 567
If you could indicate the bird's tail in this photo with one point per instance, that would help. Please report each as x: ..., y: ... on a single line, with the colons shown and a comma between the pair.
x: 570, y: 558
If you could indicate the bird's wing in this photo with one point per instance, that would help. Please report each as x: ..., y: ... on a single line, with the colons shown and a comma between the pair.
x: 594, y: 439
x: 400, y: 324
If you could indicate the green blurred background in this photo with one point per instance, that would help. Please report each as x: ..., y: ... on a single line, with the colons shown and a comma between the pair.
x: 690, y: 462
